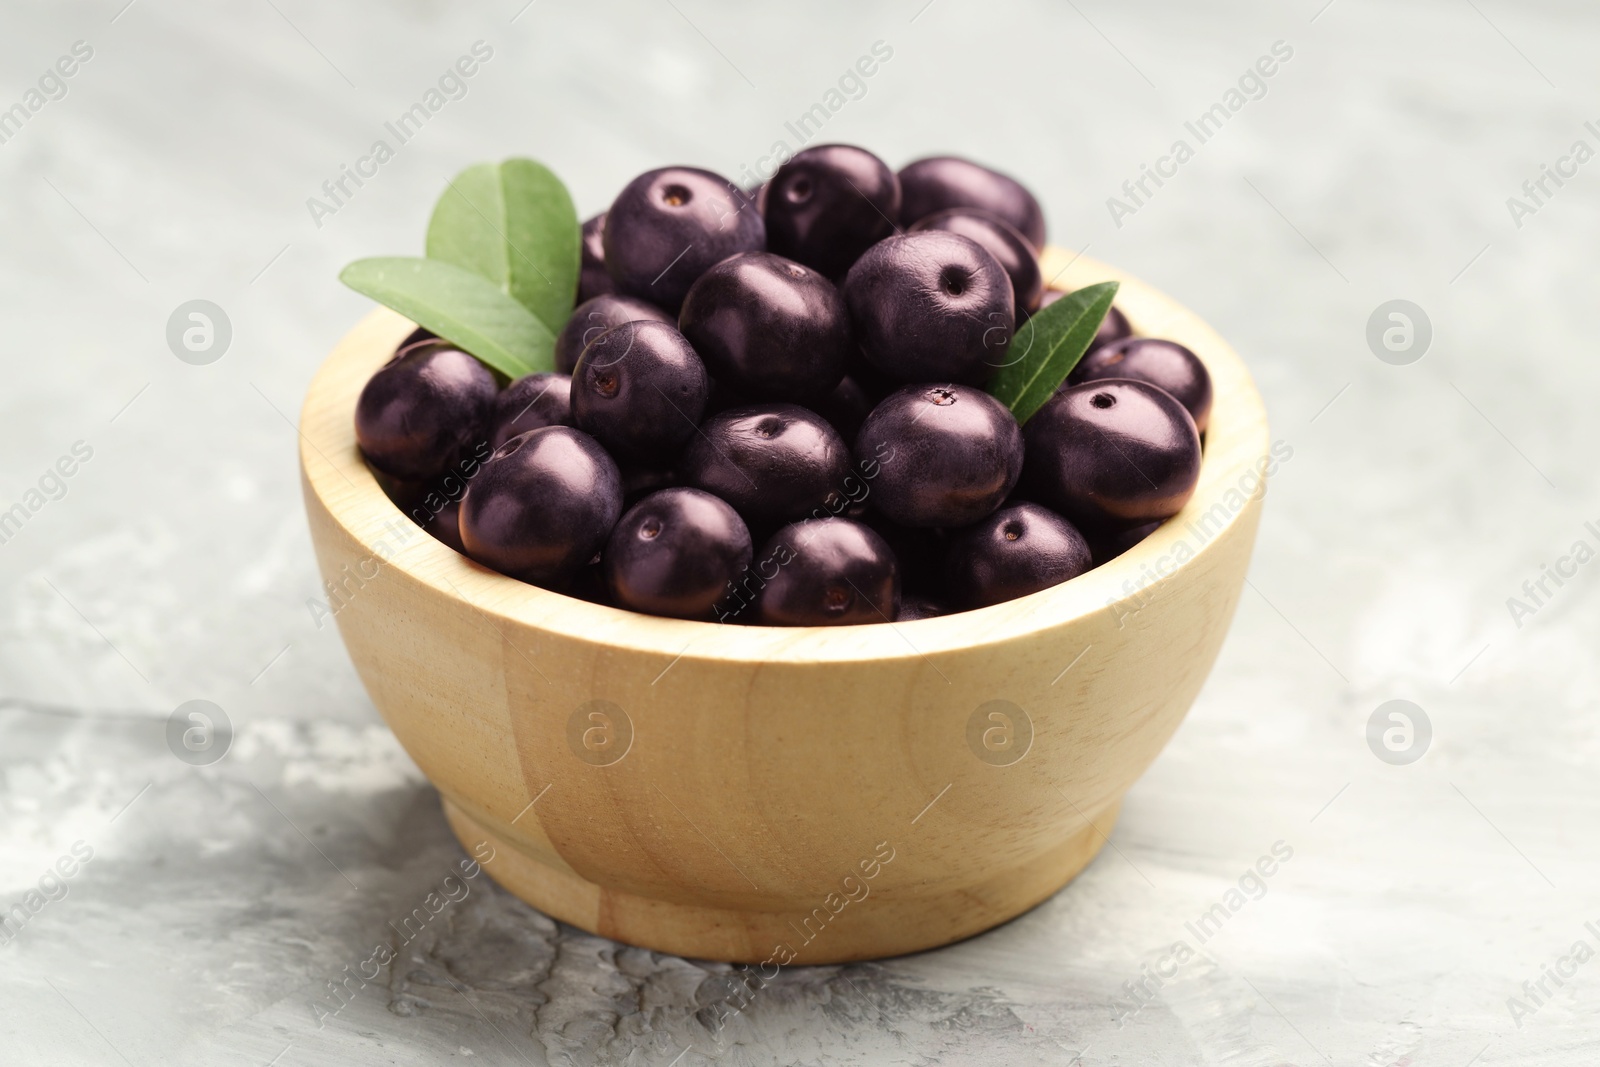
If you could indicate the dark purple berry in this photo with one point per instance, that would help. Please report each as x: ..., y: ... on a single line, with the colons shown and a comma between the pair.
x: 941, y: 182
x: 828, y: 572
x: 931, y: 306
x: 768, y: 327
x: 434, y: 505
x: 594, y: 317
x: 403, y: 494
x: 828, y: 205
x: 1018, y: 550
x: 1111, y: 454
x: 674, y: 554
x: 873, y: 382
x: 1166, y: 364
x: 531, y: 403
x: 846, y: 407
x: 593, y: 280
x: 542, y: 506
x: 446, y: 525
x: 772, y: 462
x: 1108, y: 546
x: 919, y: 607
x: 640, y: 390
x: 668, y: 226
x: 1002, y: 241
x: 1114, y: 327
x: 416, y: 337
x: 640, y: 479
x: 423, y: 410
x: 947, y: 455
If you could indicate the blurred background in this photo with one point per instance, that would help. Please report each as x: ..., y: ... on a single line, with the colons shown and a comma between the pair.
x: 1401, y: 151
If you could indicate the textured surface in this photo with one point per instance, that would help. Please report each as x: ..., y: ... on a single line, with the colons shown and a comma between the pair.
x: 1419, y: 498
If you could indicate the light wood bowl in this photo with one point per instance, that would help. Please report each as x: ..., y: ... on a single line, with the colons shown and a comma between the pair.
x: 776, y: 795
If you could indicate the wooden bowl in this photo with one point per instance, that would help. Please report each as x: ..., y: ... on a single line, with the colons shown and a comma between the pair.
x: 777, y: 795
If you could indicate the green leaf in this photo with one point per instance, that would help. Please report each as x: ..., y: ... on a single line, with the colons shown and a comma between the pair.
x: 514, y: 224
x: 1048, y: 346
x: 459, y: 306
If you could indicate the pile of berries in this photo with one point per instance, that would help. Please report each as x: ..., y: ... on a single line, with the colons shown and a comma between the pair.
x: 768, y: 407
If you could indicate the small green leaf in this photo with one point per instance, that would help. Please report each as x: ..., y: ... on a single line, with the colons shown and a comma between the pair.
x: 459, y: 306
x: 514, y: 224
x: 1048, y: 346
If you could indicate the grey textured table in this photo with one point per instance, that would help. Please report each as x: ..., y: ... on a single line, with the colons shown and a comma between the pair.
x: 1375, y: 164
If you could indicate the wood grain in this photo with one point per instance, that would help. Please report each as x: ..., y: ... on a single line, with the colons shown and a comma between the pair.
x: 768, y: 770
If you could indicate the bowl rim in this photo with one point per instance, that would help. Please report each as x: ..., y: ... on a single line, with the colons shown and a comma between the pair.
x: 335, y: 475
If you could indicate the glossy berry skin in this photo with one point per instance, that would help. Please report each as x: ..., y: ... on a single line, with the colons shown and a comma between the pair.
x: 772, y: 462
x: 828, y: 205
x: 593, y: 280
x: 941, y: 182
x: 594, y: 317
x: 531, y: 403
x: 542, y: 506
x: 668, y: 226
x: 947, y: 454
x: 674, y: 553
x: 1111, y: 454
x: 1165, y: 364
x: 828, y: 572
x: 768, y: 327
x: 639, y: 390
x: 1114, y: 327
x: 422, y: 410
x: 1002, y: 241
x: 1020, y: 549
x: 931, y: 306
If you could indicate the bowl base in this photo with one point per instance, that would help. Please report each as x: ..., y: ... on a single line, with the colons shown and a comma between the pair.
x: 910, y: 919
